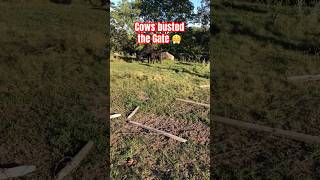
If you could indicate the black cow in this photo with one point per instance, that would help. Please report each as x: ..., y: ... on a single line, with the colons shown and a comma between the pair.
x: 184, y: 57
x: 150, y: 53
x: 205, y: 58
x: 156, y: 56
x: 145, y: 53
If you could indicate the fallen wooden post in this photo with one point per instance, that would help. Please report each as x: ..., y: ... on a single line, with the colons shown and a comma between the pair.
x: 75, y: 161
x: 193, y: 102
x: 114, y: 116
x: 158, y: 131
x: 205, y: 86
x: 151, y: 128
x: 6, y: 173
x: 133, y: 112
x: 285, y: 133
x: 305, y: 78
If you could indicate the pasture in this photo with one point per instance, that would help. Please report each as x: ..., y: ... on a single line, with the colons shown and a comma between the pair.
x: 139, y: 154
x: 254, y: 49
x: 52, y: 87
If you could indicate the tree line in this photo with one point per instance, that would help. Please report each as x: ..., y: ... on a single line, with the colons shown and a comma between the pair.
x: 195, y: 40
x: 284, y: 2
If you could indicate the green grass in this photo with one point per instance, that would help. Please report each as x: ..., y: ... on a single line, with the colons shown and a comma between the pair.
x: 161, y: 83
x: 154, y: 88
x: 254, y: 53
x: 52, y: 79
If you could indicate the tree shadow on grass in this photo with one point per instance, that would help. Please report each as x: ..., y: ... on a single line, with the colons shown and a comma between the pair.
x: 302, y: 46
x: 185, y: 63
x: 128, y: 59
x: 182, y: 70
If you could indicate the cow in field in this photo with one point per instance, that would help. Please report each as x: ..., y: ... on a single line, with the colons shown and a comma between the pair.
x: 184, y: 57
x: 205, y: 58
x: 188, y: 57
x: 156, y: 56
x: 149, y: 53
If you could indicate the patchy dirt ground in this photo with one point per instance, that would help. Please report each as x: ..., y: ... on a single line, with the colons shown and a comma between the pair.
x: 196, y: 132
x: 139, y: 154
x: 156, y: 155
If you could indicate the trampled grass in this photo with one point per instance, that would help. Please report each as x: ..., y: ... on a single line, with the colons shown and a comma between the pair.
x: 154, y: 88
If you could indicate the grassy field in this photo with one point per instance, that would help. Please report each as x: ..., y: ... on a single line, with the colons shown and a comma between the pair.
x: 255, y: 49
x: 52, y: 87
x: 138, y: 154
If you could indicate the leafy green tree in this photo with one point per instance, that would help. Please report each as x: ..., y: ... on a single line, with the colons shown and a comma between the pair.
x: 169, y: 10
x: 203, y: 14
x: 124, y: 15
x: 194, y: 40
x: 122, y: 19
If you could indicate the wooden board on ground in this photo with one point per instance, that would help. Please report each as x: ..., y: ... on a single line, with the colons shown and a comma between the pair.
x: 205, y: 86
x: 305, y: 78
x: 6, y: 173
x: 75, y: 161
x: 151, y: 128
x: 193, y: 102
x: 114, y: 116
x: 133, y: 112
x: 158, y: 131
x: 279, y: 132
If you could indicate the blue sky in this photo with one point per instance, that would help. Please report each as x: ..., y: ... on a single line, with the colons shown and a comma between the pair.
x: 196, y: 4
